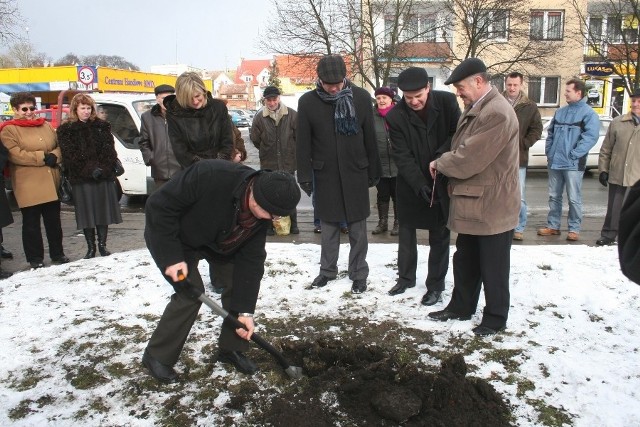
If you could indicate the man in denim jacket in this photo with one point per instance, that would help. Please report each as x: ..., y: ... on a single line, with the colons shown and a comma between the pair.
x: 573, y: 131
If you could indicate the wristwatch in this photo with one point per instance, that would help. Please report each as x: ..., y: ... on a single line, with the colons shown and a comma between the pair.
x: 245, y: 314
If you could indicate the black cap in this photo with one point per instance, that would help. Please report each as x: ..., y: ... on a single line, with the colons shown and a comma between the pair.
x: 164, y: 89
x: 413, y: 78
x: 466, y: 68
x: 636, y: 92
x: 270, y: 91
x: 332, y: 69
x: 276, y: 192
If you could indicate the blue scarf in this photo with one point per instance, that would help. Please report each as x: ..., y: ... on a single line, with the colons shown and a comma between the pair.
x: 345, y: 112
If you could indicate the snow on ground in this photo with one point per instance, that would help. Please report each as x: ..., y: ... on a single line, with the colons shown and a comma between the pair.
x: 573, y: 327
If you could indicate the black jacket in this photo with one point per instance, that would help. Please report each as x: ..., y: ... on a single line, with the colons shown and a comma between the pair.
x: 155, y: 145
x: 204, y: 133
x: 415, y: 144
x: 629, y: 234
x: 189, y: 216
x: 6, y: 217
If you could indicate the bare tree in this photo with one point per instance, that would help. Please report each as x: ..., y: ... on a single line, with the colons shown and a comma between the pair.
x: 69, y: 59
x: 24, y: 54
x: 10, y: 21
x: 609, y: 28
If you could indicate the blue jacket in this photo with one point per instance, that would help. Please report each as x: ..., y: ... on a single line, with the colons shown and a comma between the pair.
x: 573, y: 131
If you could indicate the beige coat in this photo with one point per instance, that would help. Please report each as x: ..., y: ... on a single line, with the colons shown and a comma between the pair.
x: 482, y: 167
x: 620, y: 152
x: 33, y: 182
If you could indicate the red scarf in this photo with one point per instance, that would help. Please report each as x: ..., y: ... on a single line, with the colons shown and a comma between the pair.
x: 23, y: 123
x: 383, y: 112
x: 246, y: 225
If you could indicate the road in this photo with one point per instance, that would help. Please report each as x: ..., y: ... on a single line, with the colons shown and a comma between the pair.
x: 129, y: 234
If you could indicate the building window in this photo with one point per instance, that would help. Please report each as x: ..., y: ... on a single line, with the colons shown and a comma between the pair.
x: 544, y: 91
x: 414, y: 28
x: 493, y: 24
x: 546, y: 25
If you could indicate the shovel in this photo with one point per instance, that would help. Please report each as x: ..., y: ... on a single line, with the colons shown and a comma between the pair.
x: 294, y: 372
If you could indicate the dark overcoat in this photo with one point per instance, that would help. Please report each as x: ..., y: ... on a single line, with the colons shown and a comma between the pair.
x: 342, y: 165
x: 189, y: 216
x: 415, y: 144
x: 629, y: 234
x: 6, y: 217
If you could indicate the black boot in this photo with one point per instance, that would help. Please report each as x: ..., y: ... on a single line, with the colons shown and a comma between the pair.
x: 90, y: 236
x: 395, y: 231
x: 294, y: 223
x: 102, y: 239
x: 383, y: 218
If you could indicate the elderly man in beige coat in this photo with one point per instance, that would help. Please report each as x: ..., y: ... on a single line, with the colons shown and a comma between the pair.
x: 482, y: 167
x: 619, y: 165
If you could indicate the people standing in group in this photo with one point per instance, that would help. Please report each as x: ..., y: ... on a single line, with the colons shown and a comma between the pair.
x: 573, y: 131
x: 338, y: 161
x: 421, y: 127
x: 273, y: 132
x: 6, y: 217
x: 218, y: 210
x: 154, y: 142
x: 386, y: 188
x: 34, y: 156
x: 619, y: 165
x: 91, y: 164
x: 482, y: 167
x: 530, y: 130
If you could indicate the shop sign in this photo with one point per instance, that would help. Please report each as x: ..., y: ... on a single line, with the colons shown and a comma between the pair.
x: 601, y: 69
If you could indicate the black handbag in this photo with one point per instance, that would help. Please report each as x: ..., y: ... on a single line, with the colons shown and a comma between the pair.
x: 65, y: 192
x: 118, y: 169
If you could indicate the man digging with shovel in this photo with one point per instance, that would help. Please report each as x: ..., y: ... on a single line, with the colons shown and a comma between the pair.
x: 220, y: 211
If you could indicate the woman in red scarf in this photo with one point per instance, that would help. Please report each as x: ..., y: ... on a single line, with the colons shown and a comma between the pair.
x: 34, y: 156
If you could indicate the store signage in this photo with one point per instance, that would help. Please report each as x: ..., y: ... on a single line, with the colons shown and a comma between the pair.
x: 601, y: 69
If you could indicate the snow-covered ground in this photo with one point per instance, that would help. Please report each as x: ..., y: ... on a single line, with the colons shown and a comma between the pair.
x: 573, y: 328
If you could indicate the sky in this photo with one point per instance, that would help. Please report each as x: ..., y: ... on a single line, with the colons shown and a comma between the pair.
x: 208, y: 34
x: 573, y: 329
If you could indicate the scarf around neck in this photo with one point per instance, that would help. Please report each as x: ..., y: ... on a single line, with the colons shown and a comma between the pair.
x: 246, y: 226
x: 345, y: 112
x: 23, y: 123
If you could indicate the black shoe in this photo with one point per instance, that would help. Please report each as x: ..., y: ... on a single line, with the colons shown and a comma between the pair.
x: 605, y: 241
x: 5, y: 253
x: 431, y: 298
x: 4, y: 274
x: 359, y: 286
x: 344, y: 230
x: 400, y: 287
x: 444, y: 315
x: 60, y: 260
x: 317, y: 229
x: 239, y: 360
x: 320, y: 281
x: 36, y: 264
x: 161, y: 372
x: 270, y: 231
x: 294, y: 230
x: 483, y: 331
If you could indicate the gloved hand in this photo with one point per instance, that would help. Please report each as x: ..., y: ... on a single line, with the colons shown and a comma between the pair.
x: 96, y: 174
x: 604, y: 178
x: 50, y: 159
x: 374, y: 181
x: 425, y: 193
x: 118, y: 169
x: 307, y: 187
x: 184, y: 287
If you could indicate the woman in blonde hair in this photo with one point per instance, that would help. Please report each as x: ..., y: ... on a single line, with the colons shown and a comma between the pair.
x: 199, y: 125
x: 90, y: 162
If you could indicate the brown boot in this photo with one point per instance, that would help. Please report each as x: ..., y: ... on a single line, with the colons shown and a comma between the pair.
x: 383, y: 219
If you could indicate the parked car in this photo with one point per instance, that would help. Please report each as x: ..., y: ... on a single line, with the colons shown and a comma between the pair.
x: 538, y: 159
x: 240, y: 120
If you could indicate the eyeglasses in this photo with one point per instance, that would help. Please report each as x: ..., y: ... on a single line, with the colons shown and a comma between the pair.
x: 25, y: 109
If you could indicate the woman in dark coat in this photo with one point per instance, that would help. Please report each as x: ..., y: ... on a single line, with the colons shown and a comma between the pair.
x: 90, y: 161
x: 5, y: 211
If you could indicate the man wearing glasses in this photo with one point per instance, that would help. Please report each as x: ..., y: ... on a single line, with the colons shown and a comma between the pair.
x: 421, y: 126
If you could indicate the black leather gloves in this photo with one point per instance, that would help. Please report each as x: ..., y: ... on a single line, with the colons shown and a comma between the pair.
x: 307, y: 187
x: 604, y: 178
x: 96, y: 174
x: 118, y: 169
x: 50, y: 159
x: 426, y: 193
x: 374, y: 181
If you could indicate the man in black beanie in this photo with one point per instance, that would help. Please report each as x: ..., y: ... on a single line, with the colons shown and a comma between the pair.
x: 189, y: 219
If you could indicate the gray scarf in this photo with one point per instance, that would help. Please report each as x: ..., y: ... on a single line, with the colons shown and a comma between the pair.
x: 345, y: 112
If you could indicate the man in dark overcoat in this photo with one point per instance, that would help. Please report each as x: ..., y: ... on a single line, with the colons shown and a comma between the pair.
x: 188, y: 219
x: 6, y: 217
x: 336, y: 144
x: 421, y: 126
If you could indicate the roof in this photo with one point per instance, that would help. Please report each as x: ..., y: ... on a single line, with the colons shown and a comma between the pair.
x: 424, y: 51
x: 302, y: 69
x: 251, y: 67
x: 233, y: 89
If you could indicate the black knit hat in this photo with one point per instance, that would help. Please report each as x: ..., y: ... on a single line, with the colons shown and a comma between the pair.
x: 413, y: 78
x: 276, y: 192
x: 332, y: 69
x: 164, y: 89
x: 270, y: 91
x: 466, y: 68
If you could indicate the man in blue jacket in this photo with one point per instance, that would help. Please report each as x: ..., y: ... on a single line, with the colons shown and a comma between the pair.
x: 573, y: 131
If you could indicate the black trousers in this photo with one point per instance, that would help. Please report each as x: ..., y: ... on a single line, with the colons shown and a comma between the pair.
x: 438, y: 263
x: 614, y: 206
x: 386, y: 190
x: 482, y: 260
x: 168, y: 339
x: 32, y: 235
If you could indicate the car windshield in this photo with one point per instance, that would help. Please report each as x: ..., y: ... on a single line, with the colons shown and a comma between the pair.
x: 144, y: 105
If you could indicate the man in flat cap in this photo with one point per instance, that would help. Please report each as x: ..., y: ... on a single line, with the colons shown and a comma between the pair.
x: 154, y: 140
x: 336, y: 145
x: 482, y: 167
x: 421, y: 126
x: 273, y: 133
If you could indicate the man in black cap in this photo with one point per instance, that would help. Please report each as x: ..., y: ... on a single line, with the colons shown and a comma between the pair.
x: 154, y: 140
x: 336, y: 145
x: 190, y: 218
x: 421, y: 126
x: 482, y: 167
x: 273, y: 132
